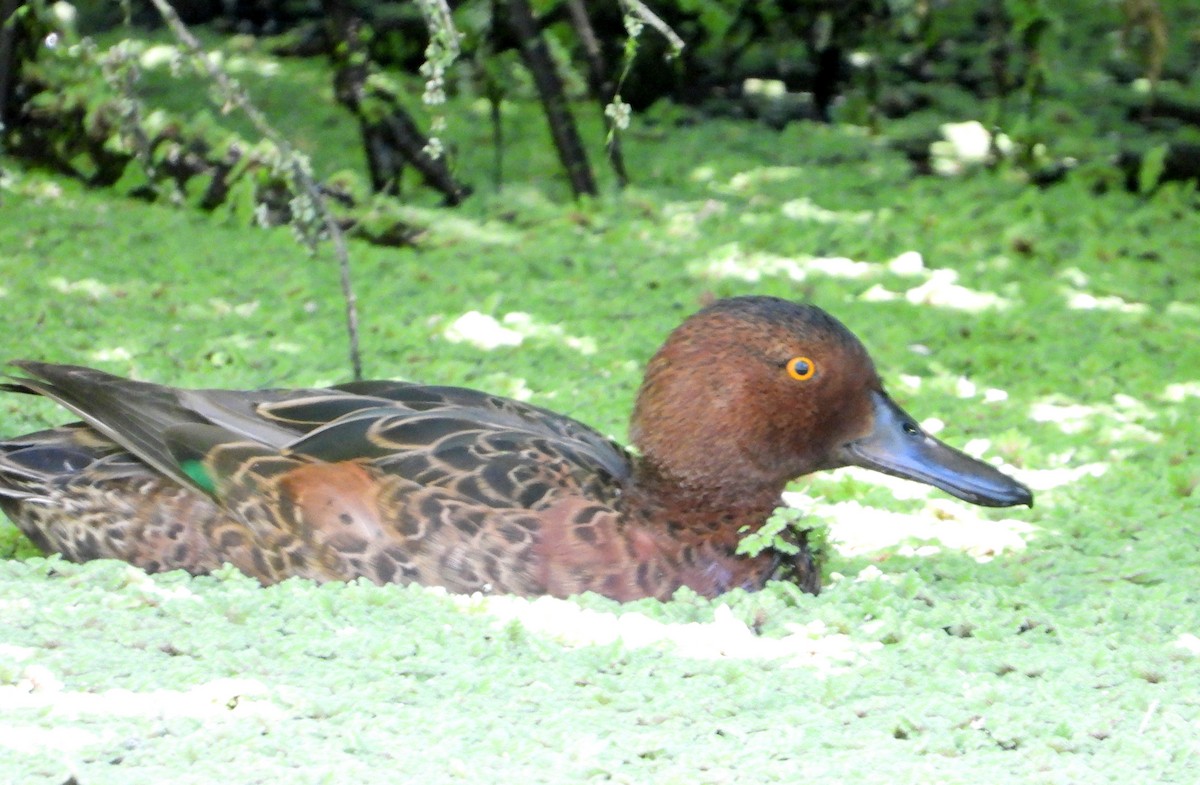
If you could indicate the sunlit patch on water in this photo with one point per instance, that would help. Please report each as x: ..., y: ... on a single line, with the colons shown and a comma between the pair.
x: 940, y: 287
x: 88, y: 287
x: 731, y: 262
x: 942, y: 290
x: 37, y: 690
x: 743, y: 181
x: 223, y: 307
x: 486, y: 332
x: 805, y: 209
x: 1189, y: 643
x: 1120, y: 420
x: 1082, y: 301
x: 725, y: 637
x: 481, y: 331
x: 1178, y: 392
x: 113, y: 354
x: 683, y: 219
x: 856, y: 529
x: 514, y: 387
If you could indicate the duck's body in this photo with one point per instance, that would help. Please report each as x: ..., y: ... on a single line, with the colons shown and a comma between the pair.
x: 401, y: 482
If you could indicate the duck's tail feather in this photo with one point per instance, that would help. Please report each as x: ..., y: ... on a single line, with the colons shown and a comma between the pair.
x: 133, y: 414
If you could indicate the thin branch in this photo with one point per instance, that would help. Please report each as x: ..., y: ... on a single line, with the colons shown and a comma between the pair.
x: 390, y: 135
x: 10, y: 58
x: 236, y: 95
x: 600, y: 83
x: 641, y: 11
x: 536, y: 55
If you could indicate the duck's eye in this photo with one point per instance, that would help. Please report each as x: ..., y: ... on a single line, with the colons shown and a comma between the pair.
x: 801, y: 368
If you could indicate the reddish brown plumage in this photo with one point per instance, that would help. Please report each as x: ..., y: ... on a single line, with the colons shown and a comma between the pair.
x: 398, y: 482
x: 723, y: 370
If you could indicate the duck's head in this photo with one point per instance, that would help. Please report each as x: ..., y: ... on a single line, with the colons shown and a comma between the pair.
x: 752, y: 392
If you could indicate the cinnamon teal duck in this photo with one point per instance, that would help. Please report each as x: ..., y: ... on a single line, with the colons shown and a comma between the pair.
x: 401, y: 482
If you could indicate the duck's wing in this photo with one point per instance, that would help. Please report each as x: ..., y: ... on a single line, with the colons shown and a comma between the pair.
x: 489, y: 449
x: 138, y: 416
x: 500, y: 413
x: 28, y: 462
x: 492, y: 449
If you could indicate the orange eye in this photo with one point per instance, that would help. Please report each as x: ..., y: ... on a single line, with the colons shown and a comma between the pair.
x: 801, y: 368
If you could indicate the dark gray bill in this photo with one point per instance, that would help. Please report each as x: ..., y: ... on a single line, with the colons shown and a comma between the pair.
x: 899, y: 447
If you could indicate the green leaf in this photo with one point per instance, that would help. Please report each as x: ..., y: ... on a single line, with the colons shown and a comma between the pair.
x: 772, y: 534
x: 1151, y: 170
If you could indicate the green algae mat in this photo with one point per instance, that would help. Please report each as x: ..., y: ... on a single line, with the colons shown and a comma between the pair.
x: 1054, y: 332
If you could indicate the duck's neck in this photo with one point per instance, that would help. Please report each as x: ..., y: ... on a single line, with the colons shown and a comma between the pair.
x: 688, y: 534
x: 715, y: 511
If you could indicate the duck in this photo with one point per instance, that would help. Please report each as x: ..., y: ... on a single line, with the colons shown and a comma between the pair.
x: 400, y: 482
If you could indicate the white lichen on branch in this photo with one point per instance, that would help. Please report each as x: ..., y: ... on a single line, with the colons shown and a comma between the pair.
x: 635, y: 15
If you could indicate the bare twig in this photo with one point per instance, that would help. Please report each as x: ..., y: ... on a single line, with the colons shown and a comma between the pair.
x: 390, y: 135
x: 234, y: 94
x: 9, y: 56
x: 1145, y: 723
x: 640, y: 10
x: 600, y: 82
x: 536, y: 55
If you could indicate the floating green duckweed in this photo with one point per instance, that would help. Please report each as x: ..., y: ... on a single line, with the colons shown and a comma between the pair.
x: 1061, y: 647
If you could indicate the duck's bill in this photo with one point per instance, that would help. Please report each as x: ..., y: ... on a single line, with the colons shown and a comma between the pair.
x: 898, y: 446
